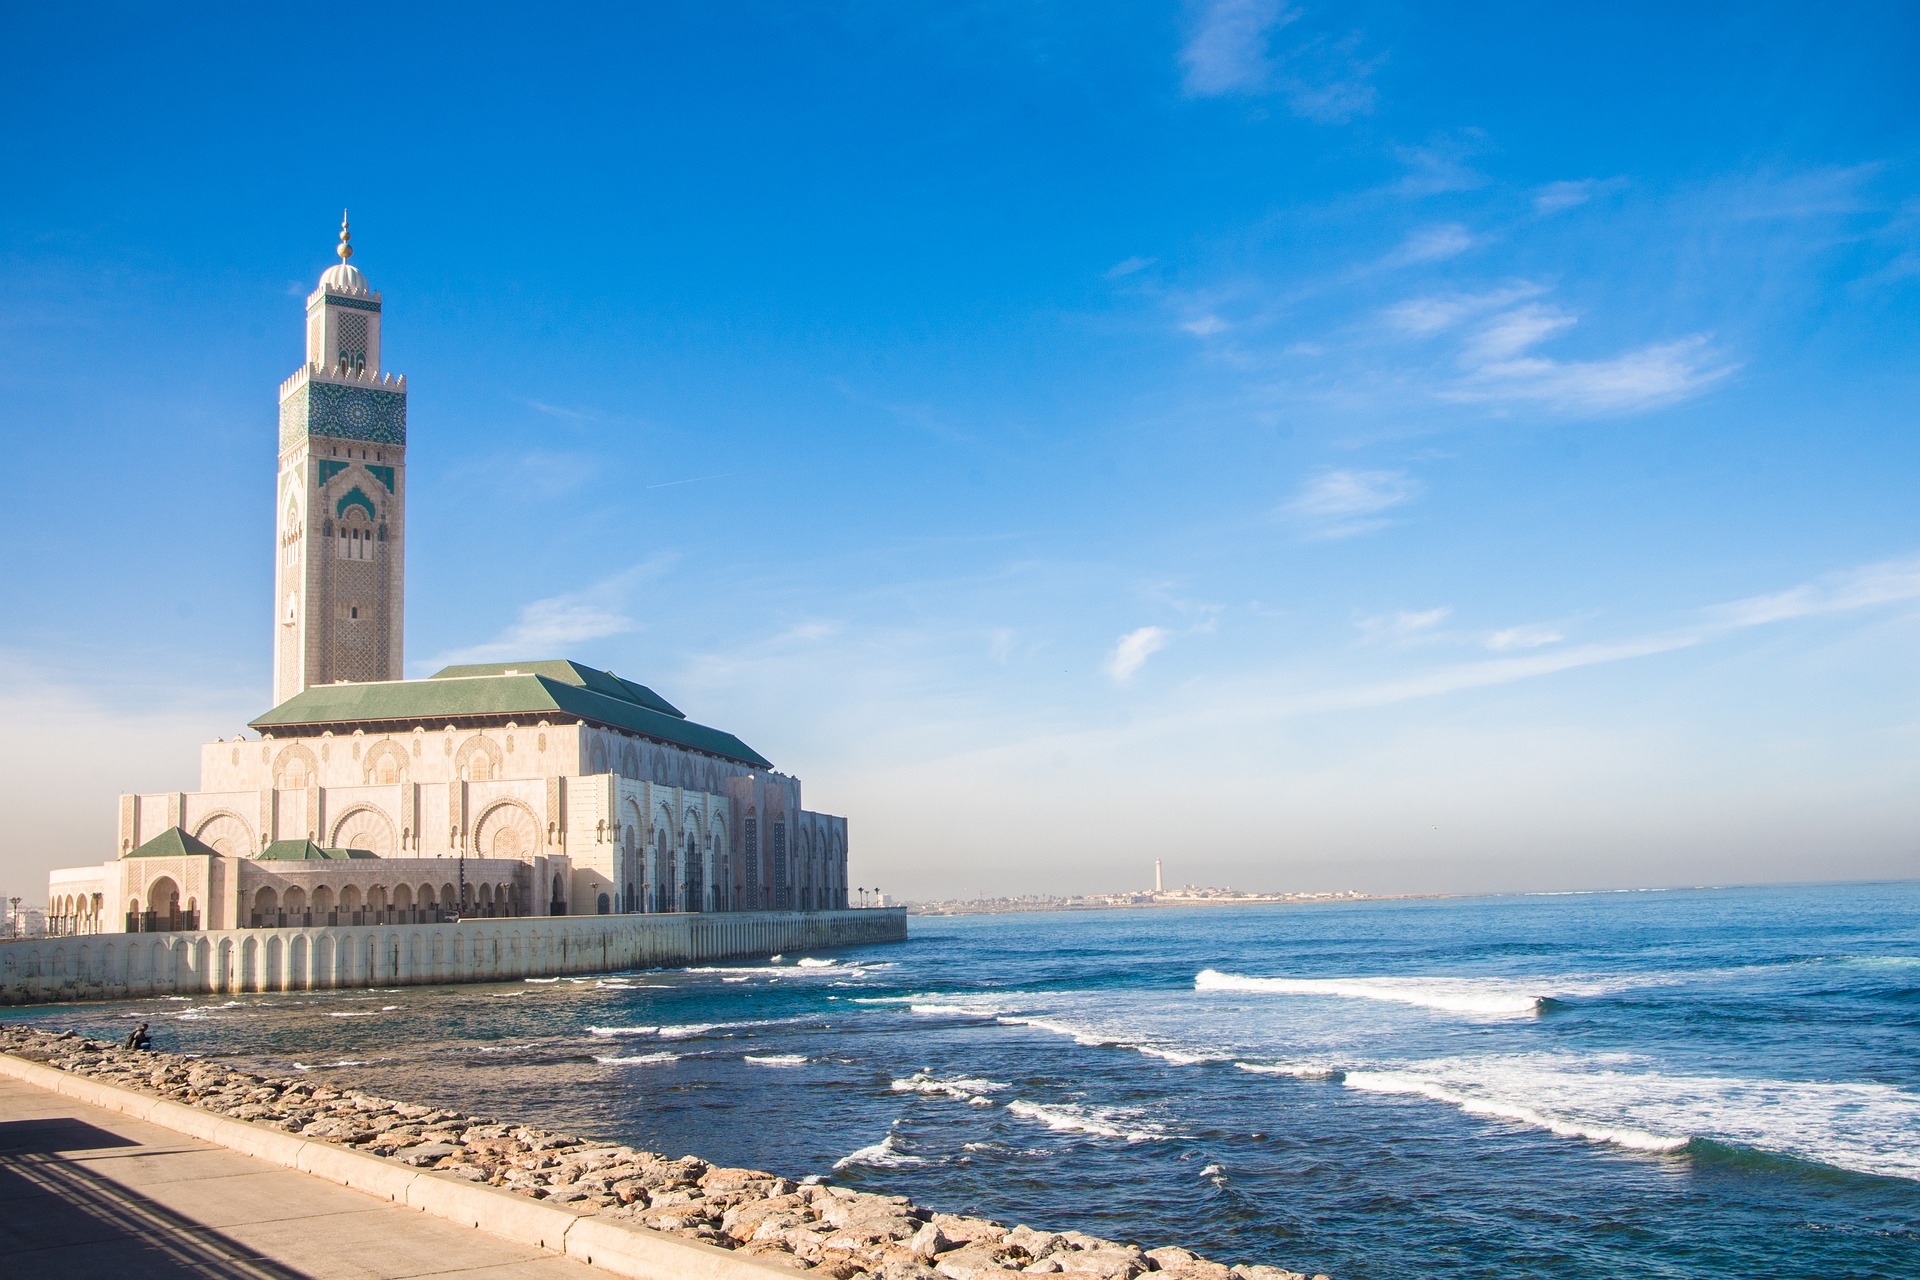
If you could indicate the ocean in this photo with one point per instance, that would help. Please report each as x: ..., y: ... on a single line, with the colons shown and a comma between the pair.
x: 1687, y: 1083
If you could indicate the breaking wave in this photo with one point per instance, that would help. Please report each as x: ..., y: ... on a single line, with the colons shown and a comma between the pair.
x: 1101, y: 1122
x: 1452, y: 995
x: 880, y: 1155
x: 638, y: 1059
x: 960, y: 1089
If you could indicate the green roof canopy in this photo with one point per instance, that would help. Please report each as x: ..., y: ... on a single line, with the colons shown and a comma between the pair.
x: 308, y: 851
x: 527, y: 691
x: 174, y: 843
x: 568, y: 673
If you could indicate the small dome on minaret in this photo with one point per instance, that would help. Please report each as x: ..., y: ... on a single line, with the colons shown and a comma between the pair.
x: 346, y: 277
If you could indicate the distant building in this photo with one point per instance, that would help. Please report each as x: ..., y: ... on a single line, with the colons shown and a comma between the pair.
x: 516, y: 788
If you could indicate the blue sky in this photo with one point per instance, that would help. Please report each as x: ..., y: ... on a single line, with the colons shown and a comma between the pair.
x: 1382, y: 446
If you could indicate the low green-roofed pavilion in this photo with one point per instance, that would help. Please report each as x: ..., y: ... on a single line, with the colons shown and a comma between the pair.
x: 174, y: 843
x: 524, y: 691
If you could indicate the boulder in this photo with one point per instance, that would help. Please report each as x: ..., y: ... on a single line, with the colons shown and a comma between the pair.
x: 968, y: 1262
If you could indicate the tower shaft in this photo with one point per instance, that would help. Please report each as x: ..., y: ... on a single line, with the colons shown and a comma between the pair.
x: 339, y: 567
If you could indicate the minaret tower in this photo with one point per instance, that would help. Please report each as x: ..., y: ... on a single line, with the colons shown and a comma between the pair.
x: 342, y: 496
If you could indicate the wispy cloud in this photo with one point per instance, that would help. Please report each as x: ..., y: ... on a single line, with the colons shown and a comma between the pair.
x: 1561, y: 196
x: 1230, y: 50
x: 1499, y: 331
x: 1227, y: 50
x: 1888, y: 582
x: 1127, y: 266
x: 1403, y: 627
x: 1132, y: 652
x: 1441, y: 167
x: 1439, y: 312
x: 1649, y: 378
x: 561, y: 411
x: 547, y: 628
x: 1432, y: 244
x: 1343, y: 503
x: 669, y: 484
x: 1531, y: 636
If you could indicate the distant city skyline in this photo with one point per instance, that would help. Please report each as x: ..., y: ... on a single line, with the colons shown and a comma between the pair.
x: 1327, y: 448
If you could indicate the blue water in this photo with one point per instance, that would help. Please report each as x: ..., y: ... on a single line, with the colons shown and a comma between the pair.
x: 1697, y: 1083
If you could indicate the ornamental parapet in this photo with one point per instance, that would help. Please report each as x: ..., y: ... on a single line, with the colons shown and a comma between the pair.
x: 343, y: 378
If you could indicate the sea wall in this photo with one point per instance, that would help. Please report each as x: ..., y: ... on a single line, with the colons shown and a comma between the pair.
x: 111, y: 966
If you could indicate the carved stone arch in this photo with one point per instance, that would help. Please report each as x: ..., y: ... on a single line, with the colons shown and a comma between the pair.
x: 295, y: 768
x: 364, y: 827
x: 507, y: 829
x: 633, y: 824
x: 227, y: 832
x: 478, y: 759
x: 630, y: 761
x: 385, y: 764
x: 597, y: 753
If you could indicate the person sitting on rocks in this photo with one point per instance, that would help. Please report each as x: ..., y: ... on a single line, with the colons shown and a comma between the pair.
x: 139, y: 1039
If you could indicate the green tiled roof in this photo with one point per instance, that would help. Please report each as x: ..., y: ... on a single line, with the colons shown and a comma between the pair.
x: 174, y: 843
x: 568, y: 673
x: 534, y: 691
x: 308, y: 851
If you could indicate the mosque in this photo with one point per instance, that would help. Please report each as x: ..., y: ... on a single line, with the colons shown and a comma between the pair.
x: 531, y: 788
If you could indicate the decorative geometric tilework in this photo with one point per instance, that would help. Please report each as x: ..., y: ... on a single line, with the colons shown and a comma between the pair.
x: 344, y: 413
x: 355, y: 498
x: 384, y: 475
x: 351, y: 344
x: 356, y: 304
x: 328, y: 470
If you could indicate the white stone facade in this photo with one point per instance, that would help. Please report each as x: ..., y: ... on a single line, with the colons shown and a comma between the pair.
x: 558, y: 789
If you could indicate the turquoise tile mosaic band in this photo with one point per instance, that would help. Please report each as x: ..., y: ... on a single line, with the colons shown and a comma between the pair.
x: 345, y: 413
x: 352, y: 304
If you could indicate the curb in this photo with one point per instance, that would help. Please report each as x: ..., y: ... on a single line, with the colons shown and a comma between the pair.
x: 622, y: 1248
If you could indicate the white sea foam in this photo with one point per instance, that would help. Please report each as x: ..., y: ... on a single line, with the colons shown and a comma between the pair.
x: 344, y: 1062
x: 1178, y: 1057
x: 638, y: 1059
x: 952, y: 1010
x: 880, y: 1155
x: 777, y: 1059
x: 1298, y: 1070
x: 960, y: 1088
x: 1493, y: 996
x: 623, y: 1031
x: 682, y: 1031
x: 540, y: 980
x: 1398, y: 1082
x: 363, y: 1013
x: 1101, y: 1122
x: 808, y: 962
x: 1626, y: 1101
x: 201, y: 1012
x: 1079, y: 1035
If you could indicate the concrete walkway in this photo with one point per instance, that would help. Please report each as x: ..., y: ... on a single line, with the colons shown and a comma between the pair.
x: 86, y: 1192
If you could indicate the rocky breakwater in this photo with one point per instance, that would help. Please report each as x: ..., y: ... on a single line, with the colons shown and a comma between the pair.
x: 809, y: 1226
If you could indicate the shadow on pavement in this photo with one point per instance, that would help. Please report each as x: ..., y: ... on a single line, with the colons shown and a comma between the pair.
x: 61, y: 1219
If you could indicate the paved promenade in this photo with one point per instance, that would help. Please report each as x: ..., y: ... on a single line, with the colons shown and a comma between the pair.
x: 89, y: 1193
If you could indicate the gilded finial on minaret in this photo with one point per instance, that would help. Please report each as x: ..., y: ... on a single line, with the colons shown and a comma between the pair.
x: 346, y: 238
